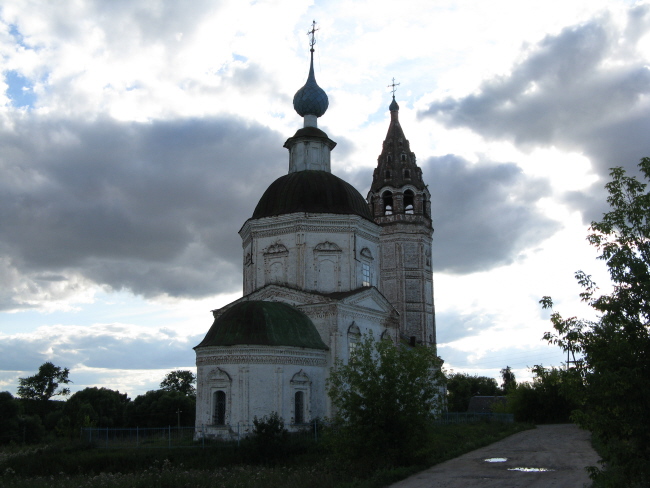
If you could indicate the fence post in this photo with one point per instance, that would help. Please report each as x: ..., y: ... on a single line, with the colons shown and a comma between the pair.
x: 238, y: 434
x: 316, y: 430
x: 203, y: 435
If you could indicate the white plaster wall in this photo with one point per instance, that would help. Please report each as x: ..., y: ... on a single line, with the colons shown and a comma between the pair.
x: 260, y: 383
x: 322, y: 252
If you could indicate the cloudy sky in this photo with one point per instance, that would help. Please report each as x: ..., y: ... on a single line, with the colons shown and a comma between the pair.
x: 137, y: 136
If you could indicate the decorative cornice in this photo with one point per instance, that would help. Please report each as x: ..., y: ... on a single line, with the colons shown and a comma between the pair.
x: 241, y: 356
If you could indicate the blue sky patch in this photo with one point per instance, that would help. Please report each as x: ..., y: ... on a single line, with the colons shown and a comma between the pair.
x: 20, y: 90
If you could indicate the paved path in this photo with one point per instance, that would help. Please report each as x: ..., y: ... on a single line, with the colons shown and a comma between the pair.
x: 564, y: 450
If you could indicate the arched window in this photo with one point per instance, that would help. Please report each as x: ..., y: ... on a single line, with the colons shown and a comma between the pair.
x: 354, y: 337
x: 300, y: 390
x: 366, y: 260
x: 388, y: 202
x: 387, y: 174
x: 408, y: 202
x: 403, y: 157
x: 299, y: 407
x: 219, y: 408
x: 407, y: 173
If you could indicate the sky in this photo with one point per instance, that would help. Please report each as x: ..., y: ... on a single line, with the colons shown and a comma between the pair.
x: 137, y: 136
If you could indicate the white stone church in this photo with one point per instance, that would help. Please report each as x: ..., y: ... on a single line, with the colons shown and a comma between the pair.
x: 322, y: 267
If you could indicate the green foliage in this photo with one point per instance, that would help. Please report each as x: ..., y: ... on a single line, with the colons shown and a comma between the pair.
x: 9, y: 408
x: 384, y: 400
x: 615, y: 348
x: 509, y: 379
x: 462, y: 386
x: 64, y: 466
x: 158, y: 408
x: 96, y: 407
x: 550, y: 398
x: 44, y: 384
x: 181, y: 381
x: 269, y: 439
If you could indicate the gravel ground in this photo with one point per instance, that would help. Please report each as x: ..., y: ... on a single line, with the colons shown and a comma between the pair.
x: 560, y: 453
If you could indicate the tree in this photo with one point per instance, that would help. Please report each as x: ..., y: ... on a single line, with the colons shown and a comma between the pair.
x: 615, y: 347
x: 44, y: 384
x: 181, y: 381
x: 549, y: 398
x: 103, y: 407
x: 384, y: 400
x: 509, y: 379
x: 9, y: 408
x: 159, y: 408
x: 462, y: 386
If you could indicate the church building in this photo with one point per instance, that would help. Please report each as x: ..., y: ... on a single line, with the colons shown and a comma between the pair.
x: 322, y: 266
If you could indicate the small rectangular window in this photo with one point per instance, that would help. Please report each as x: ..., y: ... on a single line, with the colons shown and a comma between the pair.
x: 365, y: 274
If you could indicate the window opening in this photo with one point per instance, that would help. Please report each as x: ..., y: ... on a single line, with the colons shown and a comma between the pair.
x: 365, y: 274
x: 220, y: 408
x: 299, y: 407
x: 403, y: 157
x: 354, y: 336
x: 388, y: 203
x: 407, y: 173
x: 387, y: 174
x: 408, y: 202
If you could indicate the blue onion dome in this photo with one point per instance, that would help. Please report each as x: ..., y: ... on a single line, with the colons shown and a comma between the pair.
x: 393, y: 106
x: 311, y: 99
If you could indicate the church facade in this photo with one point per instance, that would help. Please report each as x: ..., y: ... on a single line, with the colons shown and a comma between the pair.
x: 322, y: 266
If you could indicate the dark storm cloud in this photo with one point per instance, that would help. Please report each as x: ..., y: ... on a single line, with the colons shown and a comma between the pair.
x: 99, y: 346
x: 583, y: 90
x: 484, y: 214
x: 455, y: 325
x: 152, y: 207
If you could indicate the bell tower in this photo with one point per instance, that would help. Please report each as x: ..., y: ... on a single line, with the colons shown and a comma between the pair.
x: 401, y: 205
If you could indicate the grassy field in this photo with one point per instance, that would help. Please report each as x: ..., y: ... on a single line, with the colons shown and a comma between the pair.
x: 298, y: 463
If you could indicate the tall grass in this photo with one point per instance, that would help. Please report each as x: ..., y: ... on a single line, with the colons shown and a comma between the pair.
x: 224, y: 465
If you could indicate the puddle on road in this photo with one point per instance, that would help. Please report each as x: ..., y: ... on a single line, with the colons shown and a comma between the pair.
x: 525, y: 470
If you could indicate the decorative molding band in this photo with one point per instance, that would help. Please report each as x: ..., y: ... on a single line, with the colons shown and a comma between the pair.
x: 261, y: 359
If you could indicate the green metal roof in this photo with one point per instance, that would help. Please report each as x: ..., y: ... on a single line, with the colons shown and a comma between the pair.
x: 263, y: 323
x: 311, y: 192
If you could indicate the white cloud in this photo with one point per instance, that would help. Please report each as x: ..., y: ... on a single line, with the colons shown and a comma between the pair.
x: 155, y: 129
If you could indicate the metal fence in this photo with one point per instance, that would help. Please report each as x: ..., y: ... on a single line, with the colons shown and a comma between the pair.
x: 139, y: 437
x: 167, y: 437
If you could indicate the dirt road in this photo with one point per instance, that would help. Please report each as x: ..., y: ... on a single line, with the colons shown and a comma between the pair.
x: 561, y: 452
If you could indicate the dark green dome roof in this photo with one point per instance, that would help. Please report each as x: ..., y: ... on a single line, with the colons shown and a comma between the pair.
x: 311, y: 192
x: 263, y: 324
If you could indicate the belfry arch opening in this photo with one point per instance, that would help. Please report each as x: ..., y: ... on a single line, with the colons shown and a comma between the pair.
x: 409, y: 201
x: 387, y: 202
